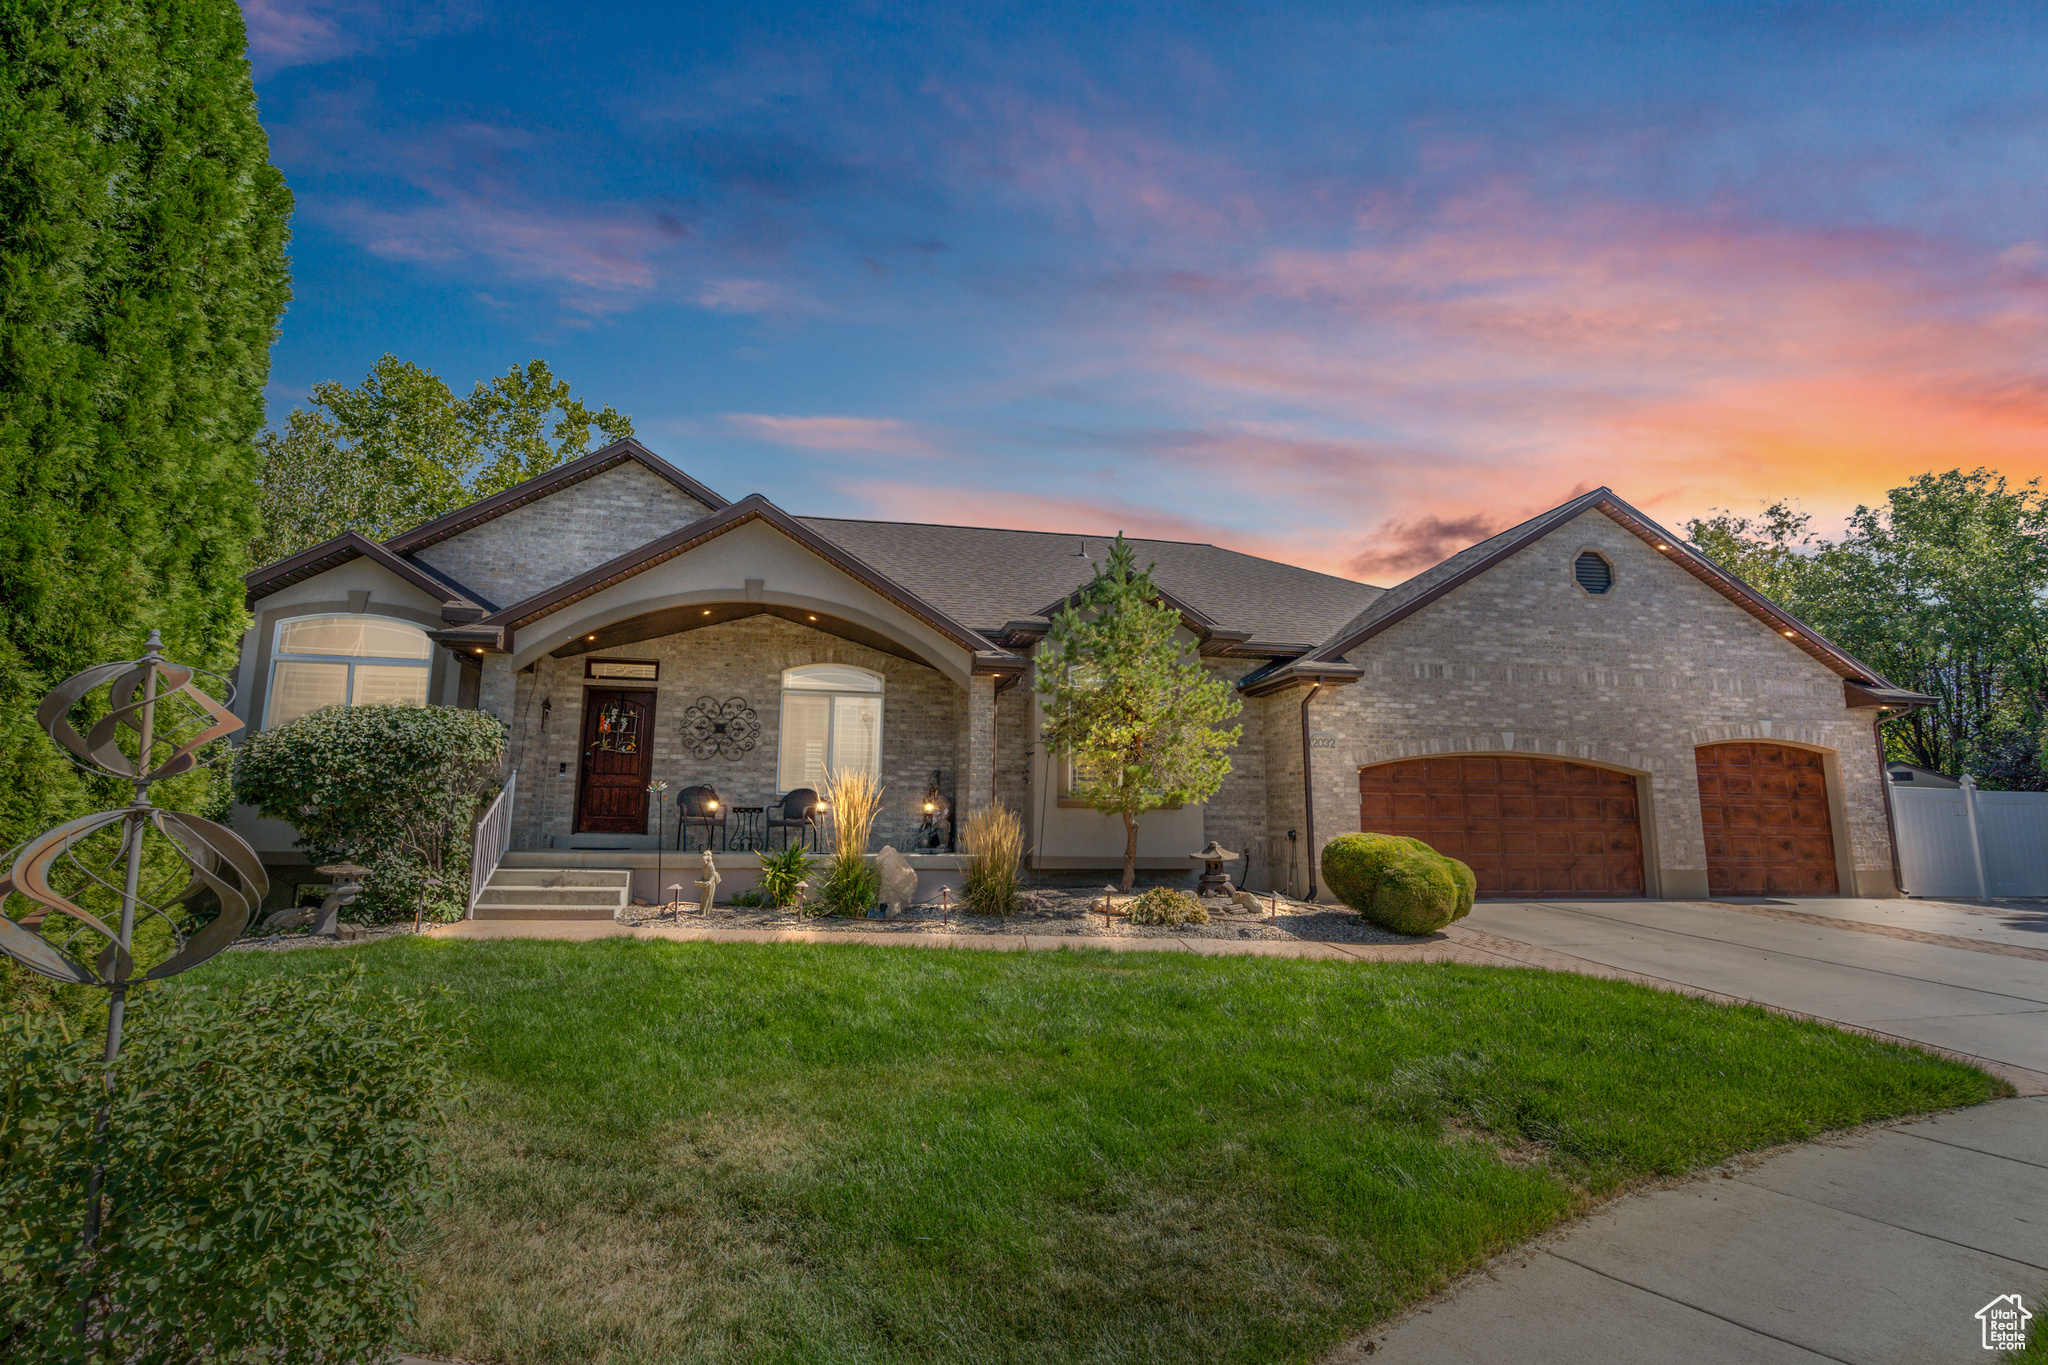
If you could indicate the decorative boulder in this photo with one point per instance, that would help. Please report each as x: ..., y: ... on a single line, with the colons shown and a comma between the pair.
x: 899, y: 880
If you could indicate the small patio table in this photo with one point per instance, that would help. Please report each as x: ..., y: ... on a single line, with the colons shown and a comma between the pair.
x: 748, y: 829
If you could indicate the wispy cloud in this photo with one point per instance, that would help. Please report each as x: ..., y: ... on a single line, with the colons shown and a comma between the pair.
x: 886, y: 436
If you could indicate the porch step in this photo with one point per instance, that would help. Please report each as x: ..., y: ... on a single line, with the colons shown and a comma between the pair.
x: 527, y: 893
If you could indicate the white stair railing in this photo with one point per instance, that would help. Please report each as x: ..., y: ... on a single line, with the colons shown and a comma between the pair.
x: 493, y: 836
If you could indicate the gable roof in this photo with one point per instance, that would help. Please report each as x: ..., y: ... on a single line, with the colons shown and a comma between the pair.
x: 993, y: 578
x: 554, y: 481
x: 753, y: 507
x: 349, y: 545
x: 1405, y: 599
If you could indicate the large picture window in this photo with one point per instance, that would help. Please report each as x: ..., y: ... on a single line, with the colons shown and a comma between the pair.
x: 831, y: 720
x: 323, y: 661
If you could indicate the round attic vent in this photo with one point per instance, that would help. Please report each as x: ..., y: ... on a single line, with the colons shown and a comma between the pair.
x: 1595, y: 574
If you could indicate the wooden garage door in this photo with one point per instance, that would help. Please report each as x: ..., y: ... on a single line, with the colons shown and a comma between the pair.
x: 1528, y: 826
x: 1765, y: 808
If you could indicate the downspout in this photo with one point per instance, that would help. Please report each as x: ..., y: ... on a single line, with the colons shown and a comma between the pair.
x: 1891, y: 825
x: 1308, y: 788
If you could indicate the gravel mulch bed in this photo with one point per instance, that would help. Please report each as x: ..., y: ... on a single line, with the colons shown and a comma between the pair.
x: 299, y: 938
x: 1061, y: 912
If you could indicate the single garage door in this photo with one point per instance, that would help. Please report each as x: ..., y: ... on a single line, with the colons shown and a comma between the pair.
x: 1528, y: 826
x: 1765, y: 809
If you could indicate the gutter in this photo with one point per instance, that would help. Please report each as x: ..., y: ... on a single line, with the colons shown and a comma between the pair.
x: 1308, y: 789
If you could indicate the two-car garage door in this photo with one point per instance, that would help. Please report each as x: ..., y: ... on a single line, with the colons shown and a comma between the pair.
x: 1546, y: 827
x: 1527, y: 826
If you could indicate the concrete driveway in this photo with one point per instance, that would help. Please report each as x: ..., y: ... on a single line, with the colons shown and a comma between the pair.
x: 1877, y: 1248
x: 1966, y: 979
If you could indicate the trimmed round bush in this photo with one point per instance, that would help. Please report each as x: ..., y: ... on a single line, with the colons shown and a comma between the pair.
x: 1468, y: 885
x: 1417, y: 894
x: 1353, y: 863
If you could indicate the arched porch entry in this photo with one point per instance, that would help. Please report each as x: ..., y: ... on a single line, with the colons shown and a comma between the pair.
x: 1764, y: 811
x: 1528, y: 825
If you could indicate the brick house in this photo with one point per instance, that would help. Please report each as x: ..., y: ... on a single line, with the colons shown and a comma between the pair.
x: 1583, y: 705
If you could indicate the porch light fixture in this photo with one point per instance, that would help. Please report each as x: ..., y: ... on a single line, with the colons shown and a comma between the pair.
x: 929, y: 807
x: 712, y: 804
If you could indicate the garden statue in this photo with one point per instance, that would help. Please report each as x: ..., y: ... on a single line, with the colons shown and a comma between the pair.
x: 899, y: 881
x: 348, y: 885
x: 1214, y: 882
x: 707, y: 885
x: 935, y: 832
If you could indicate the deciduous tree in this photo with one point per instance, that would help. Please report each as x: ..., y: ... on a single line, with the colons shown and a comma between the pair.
x: 1943, y: 589
x: 1127, y: 705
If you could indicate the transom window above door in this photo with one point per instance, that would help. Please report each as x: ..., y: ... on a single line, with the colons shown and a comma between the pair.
x: 831, y: 720
x: 322, y: 661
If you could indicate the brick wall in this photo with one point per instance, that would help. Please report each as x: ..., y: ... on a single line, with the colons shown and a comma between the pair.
x: 514, y: 556
x: 1236, y: 815
x: 921, y: 721
x: 1521, y: 659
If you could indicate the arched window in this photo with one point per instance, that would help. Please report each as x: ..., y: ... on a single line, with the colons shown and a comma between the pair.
x: 831, y: 719
x: 350, y: 660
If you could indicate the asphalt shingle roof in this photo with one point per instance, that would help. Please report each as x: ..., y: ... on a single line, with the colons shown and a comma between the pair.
x: 985, y: 577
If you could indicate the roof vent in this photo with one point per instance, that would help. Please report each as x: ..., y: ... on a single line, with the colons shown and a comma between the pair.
x: 1595, y: 574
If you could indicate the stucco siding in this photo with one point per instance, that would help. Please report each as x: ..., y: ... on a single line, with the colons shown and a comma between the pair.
x: 1522, y: 659
x: 513, y: 556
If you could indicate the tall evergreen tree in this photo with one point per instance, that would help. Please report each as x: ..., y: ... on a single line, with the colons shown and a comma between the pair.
x: 142, y: 274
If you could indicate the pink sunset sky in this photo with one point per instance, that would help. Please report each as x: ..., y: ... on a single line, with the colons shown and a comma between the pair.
x: 1348, y: 289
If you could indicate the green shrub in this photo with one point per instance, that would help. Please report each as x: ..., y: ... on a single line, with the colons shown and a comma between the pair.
x: 1164, y: 905
x: 271, y: 1153
x: 850, y: 887
x: 994, y: 839
x: 1416, y: 895
x: 780, y: 874
x: 1468, y: 885
x: 1360, y: 870
x: 1353, y: 863
x: 747, y: 899
x: 395, y: 788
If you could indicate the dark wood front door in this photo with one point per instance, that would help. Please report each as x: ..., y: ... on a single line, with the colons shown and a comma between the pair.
x: 618, y: 757
x: 1526, y: 826
x: 1765, y: 812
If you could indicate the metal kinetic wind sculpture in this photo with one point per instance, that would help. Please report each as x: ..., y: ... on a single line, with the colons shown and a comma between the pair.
x: 98, y: 860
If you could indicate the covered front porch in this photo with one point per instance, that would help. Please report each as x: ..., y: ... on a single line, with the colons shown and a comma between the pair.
x: 750, y: 702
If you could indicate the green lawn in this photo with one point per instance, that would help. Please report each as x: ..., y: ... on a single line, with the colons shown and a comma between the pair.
x: 699, y: 1152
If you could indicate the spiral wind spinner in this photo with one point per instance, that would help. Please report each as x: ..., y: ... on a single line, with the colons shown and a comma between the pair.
x: 91, y: 870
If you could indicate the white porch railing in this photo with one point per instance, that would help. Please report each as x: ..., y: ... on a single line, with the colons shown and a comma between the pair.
x: 493, y: 836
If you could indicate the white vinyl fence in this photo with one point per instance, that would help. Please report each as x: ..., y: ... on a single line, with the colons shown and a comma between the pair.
x: 1972, y: 844
x: 493, y: 836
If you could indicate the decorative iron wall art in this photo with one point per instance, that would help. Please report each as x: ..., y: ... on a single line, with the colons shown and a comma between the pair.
x: 720, y: 729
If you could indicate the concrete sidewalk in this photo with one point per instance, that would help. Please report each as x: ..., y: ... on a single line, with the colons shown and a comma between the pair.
x: 1873, y: 1249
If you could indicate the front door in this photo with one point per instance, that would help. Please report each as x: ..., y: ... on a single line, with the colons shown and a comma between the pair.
x: 618, y: 757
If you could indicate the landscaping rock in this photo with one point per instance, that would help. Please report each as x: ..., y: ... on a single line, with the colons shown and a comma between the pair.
x: 899, y: 880
x: 1245, y: 900
x: 297, y: 918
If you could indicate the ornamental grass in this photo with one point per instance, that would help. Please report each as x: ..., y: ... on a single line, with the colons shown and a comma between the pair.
x: 853, y: 796
x: 994, y: 838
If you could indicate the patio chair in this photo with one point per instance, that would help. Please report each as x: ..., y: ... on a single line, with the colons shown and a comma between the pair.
x: 798, y: 811
x: 699, y: 808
